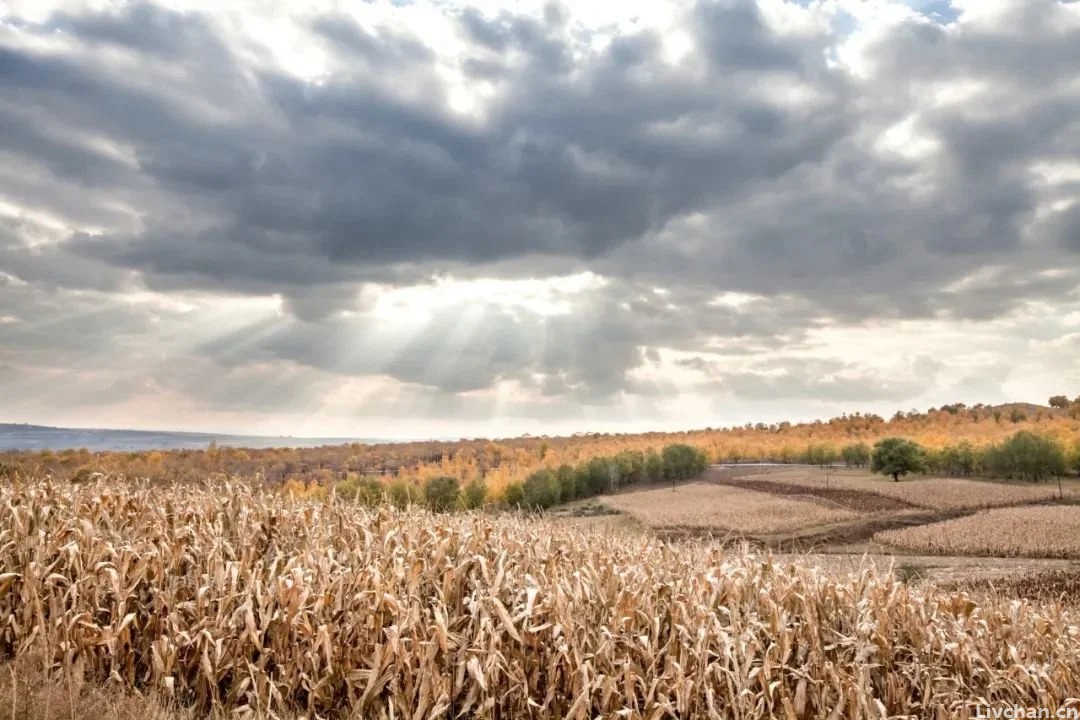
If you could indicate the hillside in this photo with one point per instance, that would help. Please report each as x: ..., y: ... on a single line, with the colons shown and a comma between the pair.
x: 503, y: 461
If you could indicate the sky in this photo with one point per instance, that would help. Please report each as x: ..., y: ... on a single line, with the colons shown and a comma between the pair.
x: 413, y: 219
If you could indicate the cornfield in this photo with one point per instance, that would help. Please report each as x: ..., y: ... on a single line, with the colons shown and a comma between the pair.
x: 1037, y: 531
x: 226, y: 598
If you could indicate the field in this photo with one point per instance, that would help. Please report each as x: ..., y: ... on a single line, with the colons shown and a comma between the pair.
x: 1036, y: 531
x: 707, y: 506
x: 233, y: 599
x: 931, y: 526
x: 933, y: 493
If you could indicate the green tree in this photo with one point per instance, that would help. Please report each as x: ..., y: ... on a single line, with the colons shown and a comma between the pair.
x: 474, y: 494
x: 541, y: 489
x: 567, y: 480
x: 441, y: 493
x: 897, y: 457
x: 681, y: 461
x: 957, y: 459
x: 1059, y: 401
x: 598, y: 475
x: 1026, y: 456
x: 856, y: 455
x: 654, y: 466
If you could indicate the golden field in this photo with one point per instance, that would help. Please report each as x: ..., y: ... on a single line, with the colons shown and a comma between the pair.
x: 226, y: 598
x: 705, y: 506
x: 933, y: 493
x: 1048, y: 531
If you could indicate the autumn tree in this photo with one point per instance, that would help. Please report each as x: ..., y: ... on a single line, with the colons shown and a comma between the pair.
x: 897, y: 457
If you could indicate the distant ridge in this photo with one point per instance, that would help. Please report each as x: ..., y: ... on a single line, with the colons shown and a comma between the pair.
x: 15, y: 436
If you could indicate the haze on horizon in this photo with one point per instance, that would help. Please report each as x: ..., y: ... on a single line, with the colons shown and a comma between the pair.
x: 411, y: 219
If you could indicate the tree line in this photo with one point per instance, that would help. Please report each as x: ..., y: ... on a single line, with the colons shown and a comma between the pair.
x: 1023, y: 456
x: 541, y: 489
x: 955, y: 438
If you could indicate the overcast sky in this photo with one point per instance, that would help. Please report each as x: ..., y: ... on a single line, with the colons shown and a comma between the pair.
x: 403, y: 219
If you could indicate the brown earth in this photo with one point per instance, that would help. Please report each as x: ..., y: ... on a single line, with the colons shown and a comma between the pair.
x: 858, y: 500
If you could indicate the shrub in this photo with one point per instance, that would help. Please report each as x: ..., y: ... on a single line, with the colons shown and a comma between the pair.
x: 474, y: 494
x: 402, y: 493
x: 541, y: 489
x: 441, y: 493
x: 514, y: 494
x: 364, y: 490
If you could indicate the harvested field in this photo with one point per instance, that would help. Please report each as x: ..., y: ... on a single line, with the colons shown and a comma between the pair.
x: 723, y: 508
x: 932, y: 493
x: 1046, y: 531
x: 228, y: 599
x: 858, y: 500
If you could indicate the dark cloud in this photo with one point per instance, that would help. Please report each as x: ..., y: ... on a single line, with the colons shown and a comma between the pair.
x: 186, y: 161
x: 348, y: 171
x: 736, y: 37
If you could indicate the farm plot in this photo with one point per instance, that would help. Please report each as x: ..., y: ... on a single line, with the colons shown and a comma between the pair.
x: 707, y: 506
x: 860, y: 500
x: 946, y: 494
x: 1045, y: 531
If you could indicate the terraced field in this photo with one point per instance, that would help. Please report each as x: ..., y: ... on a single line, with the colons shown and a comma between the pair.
x: 1039, y: 531
x: 932, y: 493
x: 725, y: 509
x: 852, y: 512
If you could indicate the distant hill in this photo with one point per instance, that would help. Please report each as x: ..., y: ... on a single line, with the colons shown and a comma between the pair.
x: 41, y: 437
x: 1029, y: 408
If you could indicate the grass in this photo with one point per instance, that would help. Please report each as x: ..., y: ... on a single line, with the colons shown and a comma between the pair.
x: 1038, y: 531
x: 725, y: 509
x: 226, y: 599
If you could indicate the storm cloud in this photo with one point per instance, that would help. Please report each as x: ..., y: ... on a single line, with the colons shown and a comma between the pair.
x: 731, y: 197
